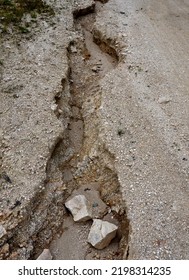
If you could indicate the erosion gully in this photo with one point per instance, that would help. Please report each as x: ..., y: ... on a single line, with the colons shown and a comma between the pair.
x: 80, y: 158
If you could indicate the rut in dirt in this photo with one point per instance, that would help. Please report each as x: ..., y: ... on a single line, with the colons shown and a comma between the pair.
x: 80, y: 159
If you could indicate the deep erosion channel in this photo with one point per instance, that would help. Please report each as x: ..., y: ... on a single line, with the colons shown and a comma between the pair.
x: 80, y: 159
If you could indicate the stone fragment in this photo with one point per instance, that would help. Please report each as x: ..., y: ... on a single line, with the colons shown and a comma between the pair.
x: 80, y: 208
x: 101, y: 233
x: 73, y: 49
x: 2, y: 231
x: 45, y: 255
x: 164, y: 100
x: 90, y: 191
x: 95, y: 69
x: 54, y: 107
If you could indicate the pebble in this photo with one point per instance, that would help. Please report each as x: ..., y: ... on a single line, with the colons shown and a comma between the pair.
x: 164, y: 100
x: 73, y: 49
x: 95, y: 69
x: 54, y: 107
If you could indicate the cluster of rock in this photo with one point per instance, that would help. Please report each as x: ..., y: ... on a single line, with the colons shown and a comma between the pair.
x: 88, y: 206
x: 85, y: 205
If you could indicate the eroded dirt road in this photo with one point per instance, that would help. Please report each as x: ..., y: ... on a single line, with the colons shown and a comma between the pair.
x: 114, y: 113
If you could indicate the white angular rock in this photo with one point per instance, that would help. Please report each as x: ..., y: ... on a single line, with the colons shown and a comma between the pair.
x: 80, y: 208
x: 101, y: 233
x: 45, y: 255
x: 90, y: 191
x: 2, y: 231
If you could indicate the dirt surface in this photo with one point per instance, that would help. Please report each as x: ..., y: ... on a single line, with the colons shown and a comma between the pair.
x: 148, y: 102
x: 34, y: 73
x: 97, y: 95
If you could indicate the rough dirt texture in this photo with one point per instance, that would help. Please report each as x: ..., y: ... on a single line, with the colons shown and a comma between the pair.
x: 34, y: 75
x: 149, y: 138
x: 113, y: 112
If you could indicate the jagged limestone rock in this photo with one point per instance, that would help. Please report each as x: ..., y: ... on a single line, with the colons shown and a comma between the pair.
x: 80, y: 208
x: 45, y: 255
x: 101, y: 233
x: 91, y: 192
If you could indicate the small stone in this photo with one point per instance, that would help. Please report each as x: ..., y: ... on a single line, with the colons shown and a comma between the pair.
x: 164, y: 100
x: 80, y: 208
x: 73, y: 49
x: 54, y: 107
x: 60, y: 111
x: 101, y: 233
x: 45, y: 255
x: 98, y: 207
x: 95, y: 69
x: 2, y: 231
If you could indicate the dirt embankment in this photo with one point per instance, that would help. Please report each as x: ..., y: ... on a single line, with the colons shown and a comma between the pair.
x: 34, y: 74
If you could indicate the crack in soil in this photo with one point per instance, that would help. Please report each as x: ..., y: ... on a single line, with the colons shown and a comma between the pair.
x: 80, y: 159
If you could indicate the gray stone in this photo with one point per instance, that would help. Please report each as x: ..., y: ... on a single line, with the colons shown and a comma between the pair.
x: 2, y: 231
x: 45, y: 255
x: 90, y: 191
x: 101, y: 233
x: 164, y: 100
x: 95, y: 69
x: 80, y: 208
x: 54, y: 107
x: 73, y: 49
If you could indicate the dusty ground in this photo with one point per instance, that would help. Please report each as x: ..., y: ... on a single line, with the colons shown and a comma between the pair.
x: 34, y: 73
x: 73, y: 115
x: 148, y: 101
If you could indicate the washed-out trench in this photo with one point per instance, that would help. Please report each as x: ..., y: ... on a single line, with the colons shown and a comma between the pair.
x: 80, y: 160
